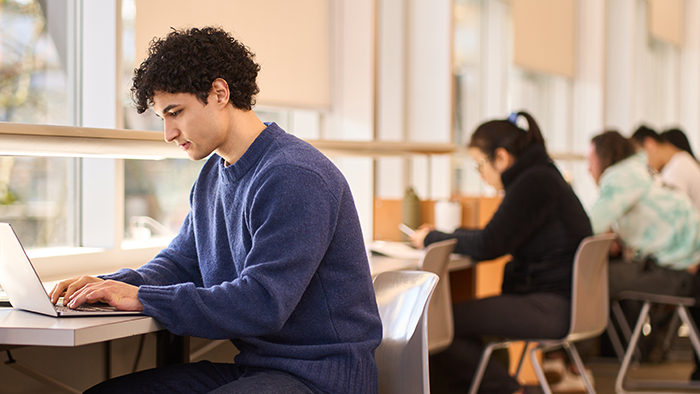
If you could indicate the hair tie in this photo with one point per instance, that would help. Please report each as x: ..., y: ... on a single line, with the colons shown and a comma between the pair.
x: 513, y: 118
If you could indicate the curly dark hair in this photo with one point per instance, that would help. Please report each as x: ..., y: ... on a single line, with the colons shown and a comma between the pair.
x: 188, y: 61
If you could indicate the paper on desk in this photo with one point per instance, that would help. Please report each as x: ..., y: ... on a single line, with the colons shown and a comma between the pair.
x: 398, y: 250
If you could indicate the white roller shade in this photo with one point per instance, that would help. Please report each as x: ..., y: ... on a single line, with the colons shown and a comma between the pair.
x: 544, y: 36
x: 289, y: 38
x: 666, y: 21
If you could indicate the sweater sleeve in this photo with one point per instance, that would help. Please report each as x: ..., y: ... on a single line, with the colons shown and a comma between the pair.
x: 522, y: 213
x: 619, y: 192
x: 175, y: 264
x: 291, y: 217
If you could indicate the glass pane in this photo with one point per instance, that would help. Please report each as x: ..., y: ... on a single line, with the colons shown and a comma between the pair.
x: 466, y: 68
x: 36, y: 193
x: 33, y: 62
x: 156, y: 192
x: 157, y: 196
x: 36, y: 200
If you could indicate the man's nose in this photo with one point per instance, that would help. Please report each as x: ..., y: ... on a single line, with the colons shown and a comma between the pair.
x: 170, y: 131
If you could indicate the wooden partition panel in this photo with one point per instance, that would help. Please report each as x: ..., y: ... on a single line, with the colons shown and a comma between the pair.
x: 483, y: 280
x: 388, y: 214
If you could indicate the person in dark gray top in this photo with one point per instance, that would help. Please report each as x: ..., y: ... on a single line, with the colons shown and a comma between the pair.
x: 540, y: 223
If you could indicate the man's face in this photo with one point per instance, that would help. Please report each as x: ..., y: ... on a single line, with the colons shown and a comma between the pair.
x: 196, y: 128
x: 654, y: 157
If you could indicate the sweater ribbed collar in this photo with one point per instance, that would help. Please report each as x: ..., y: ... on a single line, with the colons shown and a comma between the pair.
x: 533, y: 155
x: 251, y: 156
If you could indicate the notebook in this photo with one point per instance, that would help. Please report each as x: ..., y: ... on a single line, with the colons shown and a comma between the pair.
x: 23, y: 288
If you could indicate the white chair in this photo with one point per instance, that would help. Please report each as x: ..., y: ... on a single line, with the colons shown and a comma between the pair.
x: 402, y: 357
x: 589, y: 312
x: 440, y: 320
x: 681, y: 305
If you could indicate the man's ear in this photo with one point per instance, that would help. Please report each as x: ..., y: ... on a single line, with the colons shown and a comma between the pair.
x: 221, y: 92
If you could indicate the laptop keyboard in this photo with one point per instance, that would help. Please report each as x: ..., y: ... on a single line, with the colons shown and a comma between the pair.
x: 82, y: 308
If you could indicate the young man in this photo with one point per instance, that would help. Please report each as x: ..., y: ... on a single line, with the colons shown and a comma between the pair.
x: 676, y: 167
x: 270, y: 255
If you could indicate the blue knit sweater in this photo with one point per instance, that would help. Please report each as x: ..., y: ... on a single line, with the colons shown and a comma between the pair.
x: 271, y: 256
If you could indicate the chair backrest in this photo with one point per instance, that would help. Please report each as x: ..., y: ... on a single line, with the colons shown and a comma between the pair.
x: 436, y: 259
x: 402, y: 357
x: 589, y: 294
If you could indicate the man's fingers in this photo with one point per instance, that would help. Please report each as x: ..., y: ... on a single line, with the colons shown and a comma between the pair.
x: 67, y: 288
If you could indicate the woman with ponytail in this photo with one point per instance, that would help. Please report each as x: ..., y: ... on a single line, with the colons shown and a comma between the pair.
x: 540, y: 223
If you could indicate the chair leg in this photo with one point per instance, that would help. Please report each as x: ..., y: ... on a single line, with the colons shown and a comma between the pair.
x: 538, y: 370
x: 483, y: 362
x: 672, y: 332
x: 631, y: 346
x: 573, y: 354
x: 485, y: 356
x: 673, y: 384
x: 692, y: 328
x: 624, y: 327
x: 522, y: 358
x: 615, y: 340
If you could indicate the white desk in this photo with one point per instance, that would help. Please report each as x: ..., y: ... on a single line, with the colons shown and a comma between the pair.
x: 379, y: 263
x: 399, y: 256
x: 19, y: 327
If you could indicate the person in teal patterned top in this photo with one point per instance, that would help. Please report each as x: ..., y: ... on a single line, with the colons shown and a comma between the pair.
x: 659, y: 228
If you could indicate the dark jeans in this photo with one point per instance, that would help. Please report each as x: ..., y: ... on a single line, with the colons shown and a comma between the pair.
x: 539, y: 315
x: 204, y: 377
x: 647, y: 277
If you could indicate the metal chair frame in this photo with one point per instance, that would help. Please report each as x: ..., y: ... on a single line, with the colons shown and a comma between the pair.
x: 681, y: 305
x: 441, y: 331
x: 588, y: 318
x: 402, y: 357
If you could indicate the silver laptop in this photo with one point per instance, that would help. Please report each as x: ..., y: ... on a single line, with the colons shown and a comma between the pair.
x: 24, y: 289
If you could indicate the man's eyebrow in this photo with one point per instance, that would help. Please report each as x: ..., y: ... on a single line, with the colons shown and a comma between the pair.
x: 168, y: 108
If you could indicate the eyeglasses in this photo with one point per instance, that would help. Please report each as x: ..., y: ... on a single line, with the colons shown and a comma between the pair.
x: 480, y: 165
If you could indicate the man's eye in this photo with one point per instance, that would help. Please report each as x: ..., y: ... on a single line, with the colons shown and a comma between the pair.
x: 175, y: 113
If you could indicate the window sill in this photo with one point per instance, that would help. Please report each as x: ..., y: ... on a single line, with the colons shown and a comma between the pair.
x: 59, y: 263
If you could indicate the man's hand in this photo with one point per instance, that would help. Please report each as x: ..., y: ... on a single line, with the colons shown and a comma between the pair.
x: 90, y: 289
x: 67, y: 287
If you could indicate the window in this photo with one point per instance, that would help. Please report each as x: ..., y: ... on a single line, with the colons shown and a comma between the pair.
x: 157, y: 192
x: 36, y: 84
x: 157, y: 196
x: 34, y: 64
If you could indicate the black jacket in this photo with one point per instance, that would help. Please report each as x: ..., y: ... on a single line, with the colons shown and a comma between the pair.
x: 540, y: 222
